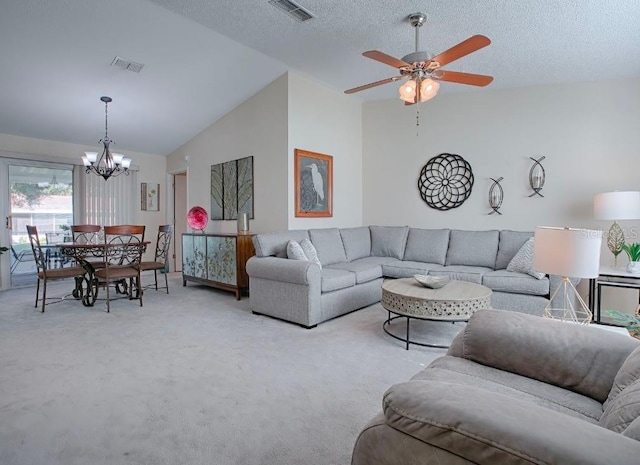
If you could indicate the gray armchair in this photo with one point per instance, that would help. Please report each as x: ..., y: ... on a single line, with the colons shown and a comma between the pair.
x: 515, y: 389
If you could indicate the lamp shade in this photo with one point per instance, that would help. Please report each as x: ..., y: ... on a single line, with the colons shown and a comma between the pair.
x: 408, y: 91
x: 428, y: 89
x: 623, y: 205
x: 568, y: 252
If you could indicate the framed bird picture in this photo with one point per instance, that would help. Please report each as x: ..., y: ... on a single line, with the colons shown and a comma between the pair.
x: 313, y: 173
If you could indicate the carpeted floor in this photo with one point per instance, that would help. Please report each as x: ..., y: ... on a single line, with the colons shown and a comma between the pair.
x: 192, y: 377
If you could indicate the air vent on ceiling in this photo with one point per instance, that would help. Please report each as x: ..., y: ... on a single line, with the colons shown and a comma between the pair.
x: 126, y: 64
x: 292, y: 9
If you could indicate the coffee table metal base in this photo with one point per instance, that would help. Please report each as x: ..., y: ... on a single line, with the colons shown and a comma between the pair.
x: 407, y: 340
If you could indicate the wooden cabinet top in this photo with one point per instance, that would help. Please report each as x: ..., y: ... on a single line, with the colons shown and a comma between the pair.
x: 219, y: 234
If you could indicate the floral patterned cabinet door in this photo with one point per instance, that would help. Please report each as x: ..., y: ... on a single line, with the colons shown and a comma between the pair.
x: 221, y: 259
x: 217, y: 260
x: 194, y: 249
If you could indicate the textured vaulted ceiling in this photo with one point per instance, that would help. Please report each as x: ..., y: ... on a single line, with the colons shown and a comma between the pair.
x: 204, y: 57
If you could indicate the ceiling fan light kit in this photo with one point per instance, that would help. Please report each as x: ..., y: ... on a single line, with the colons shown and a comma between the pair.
x: 424, y: 70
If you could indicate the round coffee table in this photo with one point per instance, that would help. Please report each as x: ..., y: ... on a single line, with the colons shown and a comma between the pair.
x: 407, y: 298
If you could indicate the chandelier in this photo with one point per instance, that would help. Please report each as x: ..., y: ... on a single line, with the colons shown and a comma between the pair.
x: 109, y: 164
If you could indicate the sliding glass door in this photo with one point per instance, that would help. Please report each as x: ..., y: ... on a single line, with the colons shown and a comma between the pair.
x: 39, y: 194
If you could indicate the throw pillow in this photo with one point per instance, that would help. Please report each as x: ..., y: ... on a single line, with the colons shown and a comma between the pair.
x: 295, y: 252
x: 310, y: 251
x: 522, y: 262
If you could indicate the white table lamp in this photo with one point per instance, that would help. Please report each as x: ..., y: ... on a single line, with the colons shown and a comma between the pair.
x: 570, y: 253
x: 619, y: 205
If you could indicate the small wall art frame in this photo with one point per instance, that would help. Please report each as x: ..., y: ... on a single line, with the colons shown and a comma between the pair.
x: 313, y: 179
x: 149, y: 196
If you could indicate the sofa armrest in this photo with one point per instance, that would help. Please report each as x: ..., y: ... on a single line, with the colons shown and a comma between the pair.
x: 486, y: 427
x: 283, y: 269
x: 575, y: 357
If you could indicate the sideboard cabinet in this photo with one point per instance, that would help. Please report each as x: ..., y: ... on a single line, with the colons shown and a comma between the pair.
x: 217, y: 260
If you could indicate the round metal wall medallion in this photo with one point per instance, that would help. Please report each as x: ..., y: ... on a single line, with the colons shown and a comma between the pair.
x: 445, y: 181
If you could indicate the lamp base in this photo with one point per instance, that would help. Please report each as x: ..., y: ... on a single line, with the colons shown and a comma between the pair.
x: 579, y: 314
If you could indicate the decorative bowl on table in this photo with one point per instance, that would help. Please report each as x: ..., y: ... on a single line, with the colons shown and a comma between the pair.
x: 433, y: 282
x: 197, y: 218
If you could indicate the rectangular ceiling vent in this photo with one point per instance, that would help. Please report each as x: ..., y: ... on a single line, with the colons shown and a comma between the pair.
x: 292, y: 9
x: 126, y: 64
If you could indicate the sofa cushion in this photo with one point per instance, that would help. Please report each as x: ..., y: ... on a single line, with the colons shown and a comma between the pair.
x: 514, y: 282
x: 310, y: 251
x: 508, y: 246
x: 522, y: 262
x: 295, y: 252
x: 622, y: 410
x: 461, y: 371
x: 378, y: 260
x: 406, y: 269
x: 364, y: 271
x: 473, y: 248
x: 633, y: 430
x: 332, y: 280
x: 471, y: 274
x: 388, y: 241
x: 356, y: 242
x: 427, y: 245
x: 275, y: 244
x: 628, y: 373
x: 546, y: 350
x: 328, y: 243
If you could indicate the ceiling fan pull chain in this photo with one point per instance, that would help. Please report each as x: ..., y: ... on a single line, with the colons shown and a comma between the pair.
x: 417, y: 120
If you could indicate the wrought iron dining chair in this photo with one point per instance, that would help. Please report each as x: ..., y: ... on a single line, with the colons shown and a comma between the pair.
x: 88, y: 234
x: 124, y: 246
x: 161, y: 257
x: 46, y: 274
x: 85, y: 233
x: 53, y: 253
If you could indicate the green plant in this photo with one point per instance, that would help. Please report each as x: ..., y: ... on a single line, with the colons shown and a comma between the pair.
x: 633, y: 251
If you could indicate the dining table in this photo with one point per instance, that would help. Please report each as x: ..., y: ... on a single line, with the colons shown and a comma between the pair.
x: 92, y: 256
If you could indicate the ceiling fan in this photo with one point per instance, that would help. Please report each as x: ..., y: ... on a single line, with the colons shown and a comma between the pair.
x: 425, y: 72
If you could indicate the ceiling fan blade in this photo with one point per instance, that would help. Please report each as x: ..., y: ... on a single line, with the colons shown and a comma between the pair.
x: 462, y: 49
x: 373, y: 84
x: 386, y: 59
x: 463, y: 78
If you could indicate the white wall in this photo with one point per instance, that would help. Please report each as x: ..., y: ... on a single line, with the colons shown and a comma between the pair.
x: 292, y: 112
x: 258, y: 128
x: 588, y: 133
x: 152, y: 169
x: 324, y: 121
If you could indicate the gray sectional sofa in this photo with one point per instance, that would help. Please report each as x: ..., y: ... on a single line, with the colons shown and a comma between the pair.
x: 355, y: 262
x: 514, y: 389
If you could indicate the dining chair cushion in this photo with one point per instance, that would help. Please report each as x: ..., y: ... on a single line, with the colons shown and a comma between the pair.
x: 117, y: 273
x: 60, y: 273
x: 145, y: 266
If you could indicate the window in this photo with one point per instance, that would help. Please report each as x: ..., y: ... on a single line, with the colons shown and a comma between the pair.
x: 109, y: 202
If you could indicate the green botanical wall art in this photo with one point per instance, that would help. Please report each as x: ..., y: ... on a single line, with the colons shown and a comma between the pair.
x: 232, y: 189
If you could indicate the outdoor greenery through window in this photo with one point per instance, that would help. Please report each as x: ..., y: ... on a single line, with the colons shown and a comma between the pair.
x: 42, y: 197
